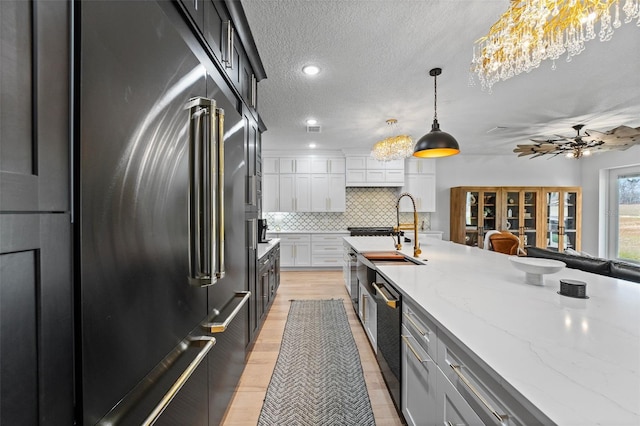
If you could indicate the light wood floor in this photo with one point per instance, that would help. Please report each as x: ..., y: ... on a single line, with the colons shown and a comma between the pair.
x: 247, y: 401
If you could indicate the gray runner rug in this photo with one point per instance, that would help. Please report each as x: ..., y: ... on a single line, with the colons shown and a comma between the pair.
x: 318, y: 377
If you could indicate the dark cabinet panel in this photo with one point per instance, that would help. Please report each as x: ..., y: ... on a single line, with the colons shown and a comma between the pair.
x: 36, y: 350
x: 216, y: 28
x: 253, y: 179
x: 35, y: 319
x: 34, y: 131
x: 18, y: 338
x: 196, y: 11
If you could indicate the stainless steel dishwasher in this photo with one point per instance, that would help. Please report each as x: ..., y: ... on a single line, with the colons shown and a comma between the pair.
x: 388, y: 322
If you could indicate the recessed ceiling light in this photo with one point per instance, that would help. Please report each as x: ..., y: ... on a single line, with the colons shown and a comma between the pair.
x: 312, y: 145
x: 312, y: 122
x: 310, y: 69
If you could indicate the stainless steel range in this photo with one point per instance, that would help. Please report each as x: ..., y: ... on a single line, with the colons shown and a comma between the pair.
x: 370, y: 231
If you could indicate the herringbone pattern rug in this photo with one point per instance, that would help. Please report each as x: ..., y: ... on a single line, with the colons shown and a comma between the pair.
x: 318, y: 377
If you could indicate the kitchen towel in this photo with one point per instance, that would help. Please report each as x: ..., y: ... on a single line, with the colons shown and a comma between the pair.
x: 317, y: 379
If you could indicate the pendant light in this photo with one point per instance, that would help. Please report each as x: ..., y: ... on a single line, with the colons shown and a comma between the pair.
x: 436, y: 143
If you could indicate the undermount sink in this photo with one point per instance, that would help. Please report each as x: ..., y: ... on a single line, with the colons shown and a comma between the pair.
x: 390, y: 258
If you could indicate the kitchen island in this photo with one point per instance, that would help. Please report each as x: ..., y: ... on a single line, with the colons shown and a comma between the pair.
x: 567, y: 361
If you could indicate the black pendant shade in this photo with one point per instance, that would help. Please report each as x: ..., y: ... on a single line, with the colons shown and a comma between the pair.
x: 436, y: 143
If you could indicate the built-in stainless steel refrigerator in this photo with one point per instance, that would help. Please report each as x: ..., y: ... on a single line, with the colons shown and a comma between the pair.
x: 162, y: 323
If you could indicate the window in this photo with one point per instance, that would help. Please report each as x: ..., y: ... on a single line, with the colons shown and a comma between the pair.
x: 624, y: 214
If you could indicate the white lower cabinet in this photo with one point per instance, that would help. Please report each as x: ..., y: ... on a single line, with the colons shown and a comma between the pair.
x: 455, y: 410
x: 295, y: 250
x: 443, y: 384
x: 419, y: 383
x: 327, y: 250
x: 367, y: 311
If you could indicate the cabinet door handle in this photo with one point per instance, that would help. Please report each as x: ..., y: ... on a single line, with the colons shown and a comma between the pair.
x: 415, y: 353
x: 253, y: 190
x: 254, y: 89
x: 228, y: 47
x: 457, y: 369
x: 364, y: 309
x: 415, y: 325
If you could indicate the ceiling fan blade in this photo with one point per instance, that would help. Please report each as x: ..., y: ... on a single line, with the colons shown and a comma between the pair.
x: 625, y: 131
x: 548, y: 140
x: 539, y: 154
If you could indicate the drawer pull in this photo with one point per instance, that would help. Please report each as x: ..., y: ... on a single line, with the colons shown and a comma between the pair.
x: 171, y: 393
x: 220, y: 327
x: 393, y: 303
x: 415, y: 325
x: 415, y: 353
x: 457, y: 369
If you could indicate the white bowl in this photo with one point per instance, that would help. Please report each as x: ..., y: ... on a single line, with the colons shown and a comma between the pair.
x: 534, y: 268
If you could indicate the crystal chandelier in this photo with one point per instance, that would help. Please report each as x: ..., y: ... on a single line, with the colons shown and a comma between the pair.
x: 531, y: 31
x: 393, y: 147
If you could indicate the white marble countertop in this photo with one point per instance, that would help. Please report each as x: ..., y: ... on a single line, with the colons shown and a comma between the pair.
x: 577, y: 360
x: 265, y: 248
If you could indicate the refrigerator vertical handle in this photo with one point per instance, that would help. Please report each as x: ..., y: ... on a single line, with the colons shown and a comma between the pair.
x: 252, y: 190
x: 204, y: 197
x: 219, y: 242
x: 252, y: 232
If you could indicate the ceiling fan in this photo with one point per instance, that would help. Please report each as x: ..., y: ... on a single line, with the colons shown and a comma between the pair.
x: 620, y: 138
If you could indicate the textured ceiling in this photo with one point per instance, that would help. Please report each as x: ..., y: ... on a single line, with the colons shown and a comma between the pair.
x: 375, y: 56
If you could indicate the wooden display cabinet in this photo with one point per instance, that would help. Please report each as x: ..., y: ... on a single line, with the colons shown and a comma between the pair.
x: 548, y: 217
x: 474, y: 212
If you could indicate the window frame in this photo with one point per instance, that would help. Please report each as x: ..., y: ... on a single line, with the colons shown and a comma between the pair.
x: 613, y: 228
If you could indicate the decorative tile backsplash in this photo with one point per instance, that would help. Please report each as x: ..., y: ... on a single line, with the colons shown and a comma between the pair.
x: 365, y: 207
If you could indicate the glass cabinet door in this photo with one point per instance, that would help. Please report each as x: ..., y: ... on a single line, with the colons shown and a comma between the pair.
x: 520, y: 214
x: 569, y: 228
x: 563, y: 219
x: 487, y: 210
x: 529, y: 231
x: 553, y: 218
x: 471, y: 218
x: 512, y: 215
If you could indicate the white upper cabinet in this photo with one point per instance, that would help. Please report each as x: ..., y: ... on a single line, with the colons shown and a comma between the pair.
x: 328, y: 193
x: 294, y: 165
x: 420, y: 182
x: 414, y: 166
x: 270, y: 165
x: 304, y: 184
x: 328, y: 165
x: 362, y: 170
x: 271, y: 192
x: 295, y: 193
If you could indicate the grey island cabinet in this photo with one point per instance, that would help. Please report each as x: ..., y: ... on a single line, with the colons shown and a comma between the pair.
x: 481, y: 346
